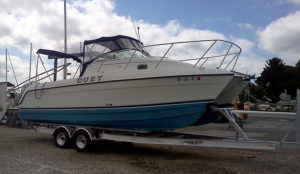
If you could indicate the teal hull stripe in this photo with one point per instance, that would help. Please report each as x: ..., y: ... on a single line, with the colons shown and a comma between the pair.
x: 163, y: 117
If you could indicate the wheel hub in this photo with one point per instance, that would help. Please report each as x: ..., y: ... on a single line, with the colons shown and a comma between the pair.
x: 81, y: 141
x: 61, y: 139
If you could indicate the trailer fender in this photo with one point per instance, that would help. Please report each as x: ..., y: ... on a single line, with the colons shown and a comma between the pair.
x: 90, y: 132
x: 65, y: 128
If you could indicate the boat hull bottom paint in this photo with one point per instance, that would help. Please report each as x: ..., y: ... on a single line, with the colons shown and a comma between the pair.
x: 161, y: 117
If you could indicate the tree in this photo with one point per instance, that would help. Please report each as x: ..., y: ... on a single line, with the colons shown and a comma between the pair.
x: 289, y: 81
x: 272, y: 78
x: 292, y: 79
x: 298, y: 64
x: 277, y: 77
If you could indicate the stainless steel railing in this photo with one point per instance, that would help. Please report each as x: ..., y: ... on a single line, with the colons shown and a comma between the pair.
x: 235, y: 53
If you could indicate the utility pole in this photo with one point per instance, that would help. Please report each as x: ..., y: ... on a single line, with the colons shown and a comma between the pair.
x: 81, y: 51
x: 6, y: 65
x: 30, y: 61
x: 65, y: 60
x: 298, y: 117
x: 55, y: 70
x: 37, y: 67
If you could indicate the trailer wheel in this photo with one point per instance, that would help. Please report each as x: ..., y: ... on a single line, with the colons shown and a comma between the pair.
x: 81, y: 141
x: 61, y: 138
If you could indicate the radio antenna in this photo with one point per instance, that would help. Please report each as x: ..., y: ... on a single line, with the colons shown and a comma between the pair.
x: 138, y: 28
x: 137, y: 35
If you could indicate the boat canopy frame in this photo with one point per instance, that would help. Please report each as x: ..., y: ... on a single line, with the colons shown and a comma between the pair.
x: 113, y: 44
x: 56, y: 55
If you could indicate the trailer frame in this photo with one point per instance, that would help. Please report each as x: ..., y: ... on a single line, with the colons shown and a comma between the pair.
x: 78, y: 135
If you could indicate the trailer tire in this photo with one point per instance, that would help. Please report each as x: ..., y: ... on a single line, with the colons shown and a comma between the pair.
x: 61, y: 138
x: 81, y: 141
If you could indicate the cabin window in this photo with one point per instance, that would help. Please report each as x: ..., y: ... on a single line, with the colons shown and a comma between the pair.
x: 129, y: 53
x: 121, y: 54
x: 142, y: 66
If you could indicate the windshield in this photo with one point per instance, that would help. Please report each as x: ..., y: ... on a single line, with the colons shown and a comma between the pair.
x: 113, y: 47
x: 121, y: 54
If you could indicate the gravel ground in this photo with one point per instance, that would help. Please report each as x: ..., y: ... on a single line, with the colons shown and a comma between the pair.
x: 27, y: 151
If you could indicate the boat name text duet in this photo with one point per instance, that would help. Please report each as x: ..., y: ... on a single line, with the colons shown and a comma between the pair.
x: 89, y: 79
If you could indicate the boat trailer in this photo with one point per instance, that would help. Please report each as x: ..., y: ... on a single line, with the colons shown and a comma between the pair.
x: 82, y: 136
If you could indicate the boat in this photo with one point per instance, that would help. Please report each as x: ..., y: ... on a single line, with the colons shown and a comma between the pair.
x: 122, y: 86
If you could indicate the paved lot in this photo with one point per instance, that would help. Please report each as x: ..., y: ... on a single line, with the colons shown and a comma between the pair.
x: 27, y: 151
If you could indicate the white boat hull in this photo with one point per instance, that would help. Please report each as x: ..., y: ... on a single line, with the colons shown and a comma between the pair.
x: 233, y: 89
x: 120, y: 93
x: 161, y: 103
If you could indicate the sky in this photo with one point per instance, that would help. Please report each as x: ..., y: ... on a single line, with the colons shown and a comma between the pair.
x: 263, y: 29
